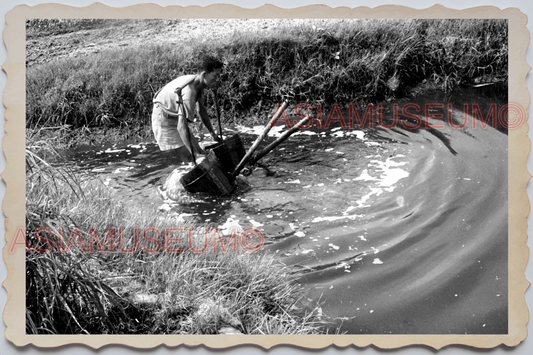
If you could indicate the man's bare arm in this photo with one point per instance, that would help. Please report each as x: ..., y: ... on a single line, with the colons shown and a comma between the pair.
x: 204, y: 116
x: 184, y: 129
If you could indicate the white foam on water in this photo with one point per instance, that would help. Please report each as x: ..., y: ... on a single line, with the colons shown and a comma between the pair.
x: 334, y: 218
x: 359, y: 134
x: 370, y: 144
x: 365, y: 177
x: 393, y: 176
x: 389, y: 175
x: 256, y: 224
x: 349, y: 209
x: 292, y: 181
x: 231, y: 225
x: 164, y: 207
x: 276, y: 131
x: 373, y: 191
x: 342, y: 264
x: 119, y: 170
x: 258, y: 130
x: 172, y: 188
x: 303, y: 132
x: 346, y: 133
x: 111, y: 151
x: 336, y: 247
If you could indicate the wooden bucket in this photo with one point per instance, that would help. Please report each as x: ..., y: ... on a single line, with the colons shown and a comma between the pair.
x: 208, y: 177
x: 229, y: 153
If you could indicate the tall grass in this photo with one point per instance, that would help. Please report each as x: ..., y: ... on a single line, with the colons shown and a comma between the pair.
x: 349, y: 61
x: 88, y: 288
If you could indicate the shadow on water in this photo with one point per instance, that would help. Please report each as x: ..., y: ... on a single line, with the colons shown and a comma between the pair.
x: 400, y: 230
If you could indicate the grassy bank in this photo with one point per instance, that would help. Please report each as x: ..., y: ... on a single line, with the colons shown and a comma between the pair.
x: 344, y: 62
x: 135, y: 283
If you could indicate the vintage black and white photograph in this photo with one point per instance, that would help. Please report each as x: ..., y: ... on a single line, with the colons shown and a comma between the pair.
x: 267, y: 176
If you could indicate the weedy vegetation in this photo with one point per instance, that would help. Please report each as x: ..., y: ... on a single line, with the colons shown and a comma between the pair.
x: 95, y: 287
x: 348, y: 61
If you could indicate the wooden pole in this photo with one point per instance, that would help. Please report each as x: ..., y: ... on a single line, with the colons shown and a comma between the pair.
x: 278, y: 141
x: 218, y: 114
x: 259, y: 139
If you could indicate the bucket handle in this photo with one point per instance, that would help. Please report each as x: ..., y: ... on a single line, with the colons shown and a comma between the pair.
x: 201, y: 176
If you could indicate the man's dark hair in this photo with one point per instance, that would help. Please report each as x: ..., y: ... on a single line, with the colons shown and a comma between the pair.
x: 210, y: 64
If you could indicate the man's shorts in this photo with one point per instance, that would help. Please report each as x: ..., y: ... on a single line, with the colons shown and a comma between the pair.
x: 165, y: 130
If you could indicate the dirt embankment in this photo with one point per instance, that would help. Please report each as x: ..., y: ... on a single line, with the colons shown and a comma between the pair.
x: 42, y: 48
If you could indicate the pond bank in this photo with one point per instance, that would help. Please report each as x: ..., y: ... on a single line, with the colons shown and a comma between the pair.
x: 312, y: 61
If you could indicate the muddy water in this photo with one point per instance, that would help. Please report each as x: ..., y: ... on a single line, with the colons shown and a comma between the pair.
x: 394, y: 231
